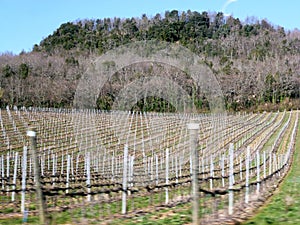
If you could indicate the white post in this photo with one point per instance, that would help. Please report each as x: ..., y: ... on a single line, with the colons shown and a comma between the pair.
x: 264, y: 155
x: 131, y: 169
x: 167, y: 175
x: 48, y: 157
x: 1, y: 170
x: 180, y: 165
x: 42, y: 163
x: 274, y: 162
x: 62, y: 164
x: 77, y: 162
x: 191, y: 164
x: 176, y: 168
x: 151, y: 168
x: 247, y: 175
x: 124, y: 185
x: 53, y: 169
x: 24, y: 170
x: 156, y: 168
x: 15, y: 177
x: 258, y: 171
x: 241, y: 169
x: 231, y: 179
x: 7, y: 169
x: 112, y: 167
x: 30, y: 168
x: 223, y: 171
x: 72, y: 164
x: 68, y: 173
x: 270, y: 163
x: 203, y: 166
x: 211, y: 172
x: 88, y: 175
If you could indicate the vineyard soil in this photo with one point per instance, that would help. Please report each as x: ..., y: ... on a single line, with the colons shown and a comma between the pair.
x: 284, y: 206
x: 136, y: 168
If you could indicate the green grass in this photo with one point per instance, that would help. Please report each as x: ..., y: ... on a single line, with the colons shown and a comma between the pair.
x: 30, y: 220
x: 93, y: 215
x: 271, y: 140
x: 284, y: 206
x: 180, y: 214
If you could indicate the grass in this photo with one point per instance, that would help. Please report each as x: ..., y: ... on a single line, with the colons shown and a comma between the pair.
x: 14, y: 221
x: 92, y: 215
x: 178, y: 215
x: 284, y: 206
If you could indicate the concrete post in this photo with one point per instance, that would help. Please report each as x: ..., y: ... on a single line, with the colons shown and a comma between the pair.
x: 39, y: 194
x: 194, y: 128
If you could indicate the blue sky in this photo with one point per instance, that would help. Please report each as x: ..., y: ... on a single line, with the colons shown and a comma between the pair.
x: 24, y: 23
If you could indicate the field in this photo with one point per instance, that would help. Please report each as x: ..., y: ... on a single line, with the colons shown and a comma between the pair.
x: 106, y: 167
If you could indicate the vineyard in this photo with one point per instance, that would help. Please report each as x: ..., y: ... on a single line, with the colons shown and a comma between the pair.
x: 110, y: 165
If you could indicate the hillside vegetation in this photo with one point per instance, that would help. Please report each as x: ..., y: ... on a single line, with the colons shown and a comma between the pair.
x: 255, y: 62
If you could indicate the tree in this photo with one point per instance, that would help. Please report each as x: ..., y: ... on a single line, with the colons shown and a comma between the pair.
x: 7, y: 71
x: 244, y: 56
x: 23, y: 70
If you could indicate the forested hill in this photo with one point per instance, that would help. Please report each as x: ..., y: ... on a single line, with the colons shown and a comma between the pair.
x: 256, y: 62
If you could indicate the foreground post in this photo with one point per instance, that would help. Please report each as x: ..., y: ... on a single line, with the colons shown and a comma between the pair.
x: 193, y: 128
x: 39, y: 194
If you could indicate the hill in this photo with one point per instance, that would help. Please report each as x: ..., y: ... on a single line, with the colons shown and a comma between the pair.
x: 255, y: 62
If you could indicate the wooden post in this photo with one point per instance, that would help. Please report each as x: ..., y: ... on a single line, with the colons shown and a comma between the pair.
x: 39, y: 194
x: 193, y: 128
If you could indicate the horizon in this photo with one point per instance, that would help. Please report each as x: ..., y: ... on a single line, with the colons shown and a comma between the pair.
x: 26, y: 23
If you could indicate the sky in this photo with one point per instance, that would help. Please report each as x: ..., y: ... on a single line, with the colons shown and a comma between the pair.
x: 24, y: 23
